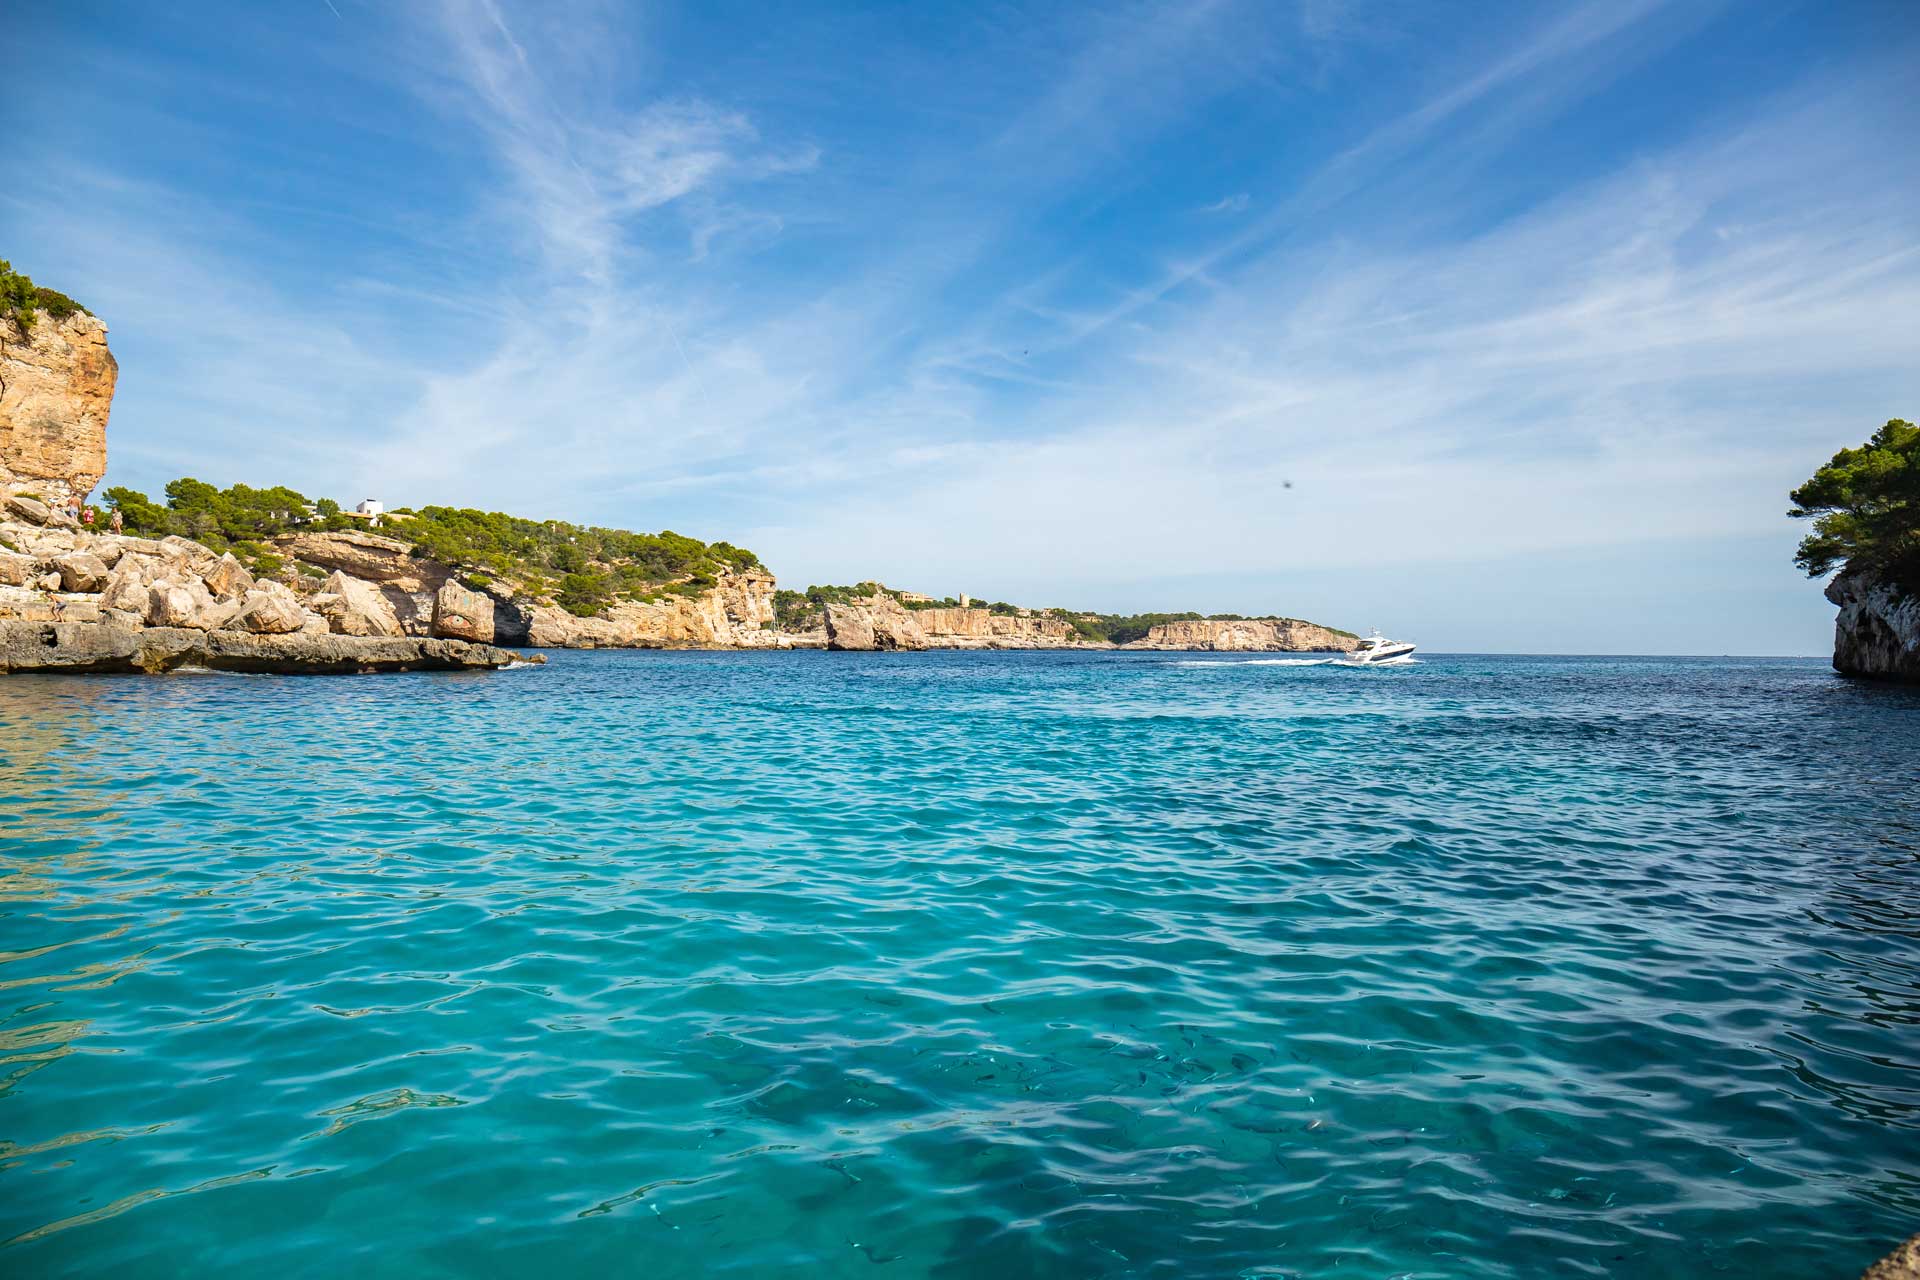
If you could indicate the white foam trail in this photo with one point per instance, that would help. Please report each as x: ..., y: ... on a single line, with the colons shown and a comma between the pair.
x: 1296, y: 662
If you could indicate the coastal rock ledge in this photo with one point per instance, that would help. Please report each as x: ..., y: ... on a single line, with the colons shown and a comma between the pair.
x: 117, y: 647
x: 1877, y: 634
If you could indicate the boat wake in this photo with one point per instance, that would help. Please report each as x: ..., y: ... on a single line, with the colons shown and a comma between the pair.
x: 1296, y: 662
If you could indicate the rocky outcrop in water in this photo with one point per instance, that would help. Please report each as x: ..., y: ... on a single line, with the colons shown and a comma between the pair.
x: 95, y: 647
x: 1877, y: 633
x: 56, y: 388
x: 1902, y: 1264
x: 1272, y: 635
x: 75, y: 600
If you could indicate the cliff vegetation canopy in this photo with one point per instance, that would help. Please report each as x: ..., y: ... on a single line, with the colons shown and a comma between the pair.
x: 1865, y: 508
x: 22, y: 301
x: 583, y: 568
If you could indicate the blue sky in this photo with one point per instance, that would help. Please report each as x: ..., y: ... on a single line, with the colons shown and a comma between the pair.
x: 1499, y: 326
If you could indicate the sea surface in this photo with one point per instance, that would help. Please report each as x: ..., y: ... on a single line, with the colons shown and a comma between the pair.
x: 955, y: 965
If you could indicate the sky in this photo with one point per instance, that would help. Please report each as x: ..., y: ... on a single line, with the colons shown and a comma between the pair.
x: 1498, y: 326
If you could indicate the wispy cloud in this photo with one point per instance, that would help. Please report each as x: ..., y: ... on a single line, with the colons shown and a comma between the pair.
x: 1236, y: 203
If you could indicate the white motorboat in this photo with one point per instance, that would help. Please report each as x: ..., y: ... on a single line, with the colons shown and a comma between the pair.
x: 1376, y: 649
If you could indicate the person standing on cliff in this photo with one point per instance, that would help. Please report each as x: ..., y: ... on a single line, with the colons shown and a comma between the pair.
x: 86, y: 516
x: 118, y: 522
x: 73, y: 508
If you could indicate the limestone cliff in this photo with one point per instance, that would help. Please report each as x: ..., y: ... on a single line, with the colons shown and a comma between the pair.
x: 56, y: 387
x: 1282, y: 635
x: 873, y: 622
x: 1877, y: 634
x: 979, y: 629
x: 735, y: 613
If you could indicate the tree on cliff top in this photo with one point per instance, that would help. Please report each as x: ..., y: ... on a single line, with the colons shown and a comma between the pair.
x: 22, y: 301
x: 1865, y: 508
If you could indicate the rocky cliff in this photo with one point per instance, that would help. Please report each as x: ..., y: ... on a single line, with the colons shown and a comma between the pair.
x: 56, y: 387
x: 1282, y: 635
x: 428, y: 598
x: 979, y: 629
x: 882, y: 622
x: 1877, y: 633
x: 79, y: 600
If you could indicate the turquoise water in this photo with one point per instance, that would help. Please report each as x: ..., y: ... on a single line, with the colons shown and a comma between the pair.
x: 953, y: 965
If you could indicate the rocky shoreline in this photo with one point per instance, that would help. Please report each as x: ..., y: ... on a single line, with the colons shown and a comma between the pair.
x: 1876, y: 635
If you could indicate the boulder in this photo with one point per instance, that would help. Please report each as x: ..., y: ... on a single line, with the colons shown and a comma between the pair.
x: 271, y: 609
x: 126, y: 588
x: 228, y: 579
x: 48, y: 581
x: 81, y: 571
x: 15, y: 571
x: 31, y: 510
x: 186, y: 602
x: 355, y: 608
x: 460, y: 614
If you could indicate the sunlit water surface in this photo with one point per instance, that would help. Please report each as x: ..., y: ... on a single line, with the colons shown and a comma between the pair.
x: 961, y: 965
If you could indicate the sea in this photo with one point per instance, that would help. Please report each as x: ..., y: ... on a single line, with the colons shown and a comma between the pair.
x: 679, y: 964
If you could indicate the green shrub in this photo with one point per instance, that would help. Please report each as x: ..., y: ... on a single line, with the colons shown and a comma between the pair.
x: 22, y: 301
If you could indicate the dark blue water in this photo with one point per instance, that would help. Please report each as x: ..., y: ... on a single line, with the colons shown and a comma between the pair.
x: 958, y: 965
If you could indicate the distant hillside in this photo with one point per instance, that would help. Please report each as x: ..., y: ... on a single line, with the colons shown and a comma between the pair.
x: 804, y: 610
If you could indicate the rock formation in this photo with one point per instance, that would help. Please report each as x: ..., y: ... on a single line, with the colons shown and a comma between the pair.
x: 979, y: 629
x: 56, y: 387
x: 75, y: 600
x: 1877, y: 633
x: 1902, y: 1264
x: 873, y: 622
x: 1279, y: 635
x: 120, y: 647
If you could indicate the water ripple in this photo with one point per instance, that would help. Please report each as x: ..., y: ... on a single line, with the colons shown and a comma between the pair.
x: 962, y: 965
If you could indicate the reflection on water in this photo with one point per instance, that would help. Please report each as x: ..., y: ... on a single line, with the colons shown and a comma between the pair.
x: 961, y: 965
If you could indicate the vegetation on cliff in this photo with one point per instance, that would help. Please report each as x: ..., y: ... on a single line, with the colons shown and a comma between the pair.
x: 22, y: 301
x: 580, y: 567
x: 1865, y: 508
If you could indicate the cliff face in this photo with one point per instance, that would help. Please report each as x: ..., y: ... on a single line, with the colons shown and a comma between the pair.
x: 1281, y: 635
x: 978, y: 629
x: 58, y: 388
x: 1877, y: 634
x: 736, y: 613
x: 881, y: 622
x: 875, y: 622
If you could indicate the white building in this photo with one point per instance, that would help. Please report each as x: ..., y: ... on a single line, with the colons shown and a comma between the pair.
x: 369, y: 507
